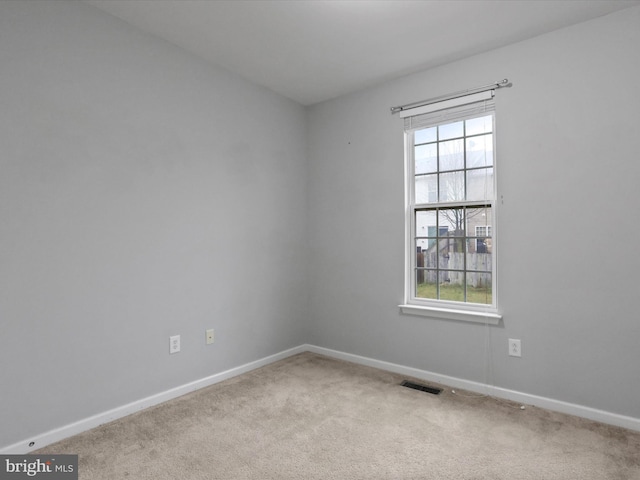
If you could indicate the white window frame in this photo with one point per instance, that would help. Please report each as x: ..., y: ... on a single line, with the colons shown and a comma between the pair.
x: 483, y: 231
x: 445, y: 309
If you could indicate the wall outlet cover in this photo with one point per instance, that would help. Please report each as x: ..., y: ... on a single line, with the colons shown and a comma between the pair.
x: 515, y: 347
x: 174, y: 344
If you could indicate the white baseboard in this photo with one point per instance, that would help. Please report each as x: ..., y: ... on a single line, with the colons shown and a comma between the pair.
x: 83, y: 425
x: 519, y: 397
x: 52, y: 436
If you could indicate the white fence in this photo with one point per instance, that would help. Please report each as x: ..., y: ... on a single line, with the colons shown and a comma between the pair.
x: 477, y: 266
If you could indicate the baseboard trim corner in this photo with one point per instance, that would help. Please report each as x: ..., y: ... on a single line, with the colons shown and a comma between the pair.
x: 42, y: 440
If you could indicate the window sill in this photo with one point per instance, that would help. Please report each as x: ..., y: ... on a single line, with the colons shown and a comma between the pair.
x: 490, y: 318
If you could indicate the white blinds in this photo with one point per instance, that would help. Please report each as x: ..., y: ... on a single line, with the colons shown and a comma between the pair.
x: 439, y: 112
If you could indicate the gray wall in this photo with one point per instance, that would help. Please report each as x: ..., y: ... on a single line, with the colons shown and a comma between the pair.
x: 567, y: 154
x: 143, y: 193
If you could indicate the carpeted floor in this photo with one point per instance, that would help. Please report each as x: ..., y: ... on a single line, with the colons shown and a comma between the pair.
x: 313, y: 417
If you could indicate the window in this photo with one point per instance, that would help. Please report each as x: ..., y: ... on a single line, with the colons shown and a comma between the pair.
x: 450, y: 221
x: 483, y: 242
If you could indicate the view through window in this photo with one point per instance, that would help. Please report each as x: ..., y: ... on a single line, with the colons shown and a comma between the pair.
x: 451, y: 198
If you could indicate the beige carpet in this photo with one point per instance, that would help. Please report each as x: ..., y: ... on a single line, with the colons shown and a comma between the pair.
x: 313, y: 417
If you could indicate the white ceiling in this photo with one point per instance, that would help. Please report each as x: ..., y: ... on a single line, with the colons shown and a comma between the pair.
x: 314, y: 50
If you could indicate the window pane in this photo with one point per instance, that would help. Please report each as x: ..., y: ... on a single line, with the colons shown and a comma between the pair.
x: 478, y: 255
x: 426, y: 188
x: 426, y: 158
x: 450, y: 130
x: 479, y: 288
x: 479, y: 125
x: 444, y: 248
x: 452, y: 155
x: 422, y: 245
x: 425, y: 257
x: 426, y: 286
x: 480, y: 184
x: 479, y: 222
x: 453, y: 220
x: 480, y: 151
x: 451, y: 286
x: 424, y: 136
x: 425, y: 223
x: 452, y: 187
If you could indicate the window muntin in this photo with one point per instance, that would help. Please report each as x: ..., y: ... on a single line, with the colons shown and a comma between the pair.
x: 451, y: 200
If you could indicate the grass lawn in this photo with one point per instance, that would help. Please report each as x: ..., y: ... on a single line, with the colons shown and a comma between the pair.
x: 455, y: 293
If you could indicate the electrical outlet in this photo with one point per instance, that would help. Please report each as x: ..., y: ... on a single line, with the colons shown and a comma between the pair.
x: 174, y: 344
x: 209, y: 336
x: 515, y: 348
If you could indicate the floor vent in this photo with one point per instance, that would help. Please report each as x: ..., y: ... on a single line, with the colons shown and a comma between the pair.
x: 422, y: 388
